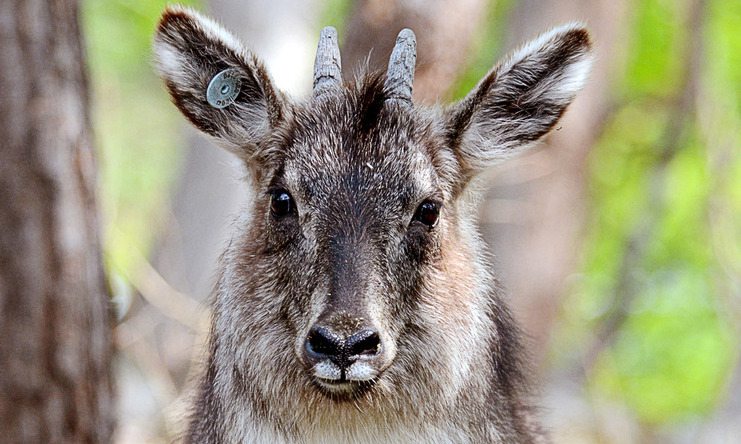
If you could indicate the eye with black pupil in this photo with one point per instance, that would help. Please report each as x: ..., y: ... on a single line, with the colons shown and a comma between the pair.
x: 281, y: 203
x: 427, y: 213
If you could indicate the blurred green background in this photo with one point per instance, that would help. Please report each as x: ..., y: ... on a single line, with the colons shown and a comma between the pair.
x: 648, y: 327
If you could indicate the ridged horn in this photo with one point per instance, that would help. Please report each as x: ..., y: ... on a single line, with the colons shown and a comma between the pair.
x: 400, y: 74
x: 327, y: 66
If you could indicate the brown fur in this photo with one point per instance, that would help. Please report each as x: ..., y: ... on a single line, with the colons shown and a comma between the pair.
x: 352, y: 255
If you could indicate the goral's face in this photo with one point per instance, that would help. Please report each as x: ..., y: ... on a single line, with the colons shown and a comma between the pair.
x: 352, y: 219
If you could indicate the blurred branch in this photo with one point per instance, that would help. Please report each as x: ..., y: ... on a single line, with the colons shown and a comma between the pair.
x: 170, y: 302
x: 134, y: 339
x: 670, y: 144
x: 149, y: 362
x: 157, y: 375
x: 134, y: 329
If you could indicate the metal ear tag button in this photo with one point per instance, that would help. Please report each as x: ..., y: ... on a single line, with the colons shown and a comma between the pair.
x: 223, y: 89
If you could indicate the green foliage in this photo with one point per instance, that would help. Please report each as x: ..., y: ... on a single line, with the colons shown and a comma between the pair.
x: 671, y: 356
x: 335, y: 13
x: 656, y: 50
x: 673, y: 353
x: 134, y: 124
x: 724, y: 50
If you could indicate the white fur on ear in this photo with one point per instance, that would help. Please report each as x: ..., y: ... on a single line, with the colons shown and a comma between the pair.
x: 522, y: 98
x: 190, y: 51
x: 170, y: 60
x: 575, y: 73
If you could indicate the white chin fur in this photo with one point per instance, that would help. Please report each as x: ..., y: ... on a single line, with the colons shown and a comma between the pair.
x: 358, y: 371
x: 327, y: 370
x: 361, y: 371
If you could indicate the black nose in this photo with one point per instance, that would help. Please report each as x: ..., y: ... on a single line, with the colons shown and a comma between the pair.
x: 322, y: 343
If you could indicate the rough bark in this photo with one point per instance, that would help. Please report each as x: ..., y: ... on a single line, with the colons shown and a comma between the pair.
x: 444, y: 31
x: 55, y: 321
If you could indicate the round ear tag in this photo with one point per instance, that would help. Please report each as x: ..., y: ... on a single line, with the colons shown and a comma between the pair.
x: 223, y: 89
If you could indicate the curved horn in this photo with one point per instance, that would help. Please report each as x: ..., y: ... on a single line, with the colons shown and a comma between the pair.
x: 327, y: 66
x: 400, y: 74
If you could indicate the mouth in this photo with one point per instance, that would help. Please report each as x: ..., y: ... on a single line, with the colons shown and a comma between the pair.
x: 343, y: 389
x: 342, y: 383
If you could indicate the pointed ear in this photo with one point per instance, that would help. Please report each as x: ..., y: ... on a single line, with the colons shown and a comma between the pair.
x: 521, y: 99
x: 190, y: 50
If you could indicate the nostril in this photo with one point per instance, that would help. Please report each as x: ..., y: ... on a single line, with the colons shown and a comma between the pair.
x: 366, y: 342
x: 323, y: 343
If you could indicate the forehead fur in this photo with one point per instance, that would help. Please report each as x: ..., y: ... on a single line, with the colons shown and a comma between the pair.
x: 355, y: 133
x: 361, y: 119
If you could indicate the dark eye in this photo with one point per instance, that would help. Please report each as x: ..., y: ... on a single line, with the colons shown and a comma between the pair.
x: 427, y: 213
x: 281, y: 203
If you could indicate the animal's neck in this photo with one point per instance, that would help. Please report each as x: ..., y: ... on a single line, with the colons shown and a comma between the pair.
x: 402, y: 411
x: 228, y: 419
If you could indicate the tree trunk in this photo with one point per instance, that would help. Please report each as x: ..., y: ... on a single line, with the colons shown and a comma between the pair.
x: 55, y: 322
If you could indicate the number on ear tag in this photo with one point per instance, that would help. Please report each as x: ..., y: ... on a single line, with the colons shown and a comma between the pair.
x: 223, y: 89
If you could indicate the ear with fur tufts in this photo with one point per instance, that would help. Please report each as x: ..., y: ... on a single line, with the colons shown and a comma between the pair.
x: 521, y: 99
x: 190, y: 50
